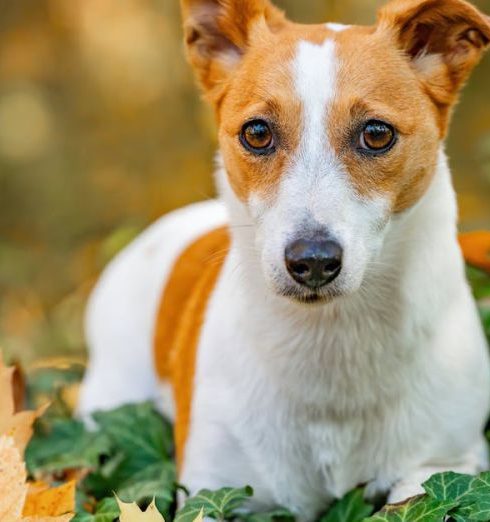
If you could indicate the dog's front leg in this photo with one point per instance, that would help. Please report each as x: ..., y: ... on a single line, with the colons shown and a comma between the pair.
x: 474, y: 462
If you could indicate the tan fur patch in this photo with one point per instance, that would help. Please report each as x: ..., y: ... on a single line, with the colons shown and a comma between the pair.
x: 407, y: 70
x: 444, y: 39
x: 179, y: 320
x: 390, y: 93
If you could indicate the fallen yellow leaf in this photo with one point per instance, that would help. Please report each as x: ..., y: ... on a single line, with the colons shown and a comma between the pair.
x: 50, y: 502
x: 132, y: 513
x: 64, y: 518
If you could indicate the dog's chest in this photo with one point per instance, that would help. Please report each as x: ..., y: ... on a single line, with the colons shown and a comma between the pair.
x: 310, y: 403
x: 307, y: 457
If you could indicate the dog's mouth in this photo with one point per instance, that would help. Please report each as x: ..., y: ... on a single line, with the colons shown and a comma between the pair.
x: 309, y: 297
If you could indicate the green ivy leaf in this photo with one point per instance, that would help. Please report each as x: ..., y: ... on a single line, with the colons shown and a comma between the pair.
x: 277, y: 515
x: 448, y: 486
x: 479, y: 281
x: 64, y: 444
x: 484, y: 308
x: 417, y: 509
x: 475, y: 504
x: 139, y: 431
x: 351, y: 508
x: 219, y: 504
x: 154, y: 482
x: 107, y: 511
x: 140, y: 439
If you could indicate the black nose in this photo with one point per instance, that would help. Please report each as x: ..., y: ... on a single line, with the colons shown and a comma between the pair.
x: 314, y: 263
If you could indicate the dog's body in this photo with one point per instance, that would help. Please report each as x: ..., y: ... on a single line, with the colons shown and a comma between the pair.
x: 386, y: 379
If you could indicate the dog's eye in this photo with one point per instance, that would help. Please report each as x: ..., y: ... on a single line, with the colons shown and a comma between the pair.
x: 256, y: 136
x: 377, y: 136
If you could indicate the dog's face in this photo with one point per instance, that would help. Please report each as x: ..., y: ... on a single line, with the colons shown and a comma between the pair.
x: 327, y: 131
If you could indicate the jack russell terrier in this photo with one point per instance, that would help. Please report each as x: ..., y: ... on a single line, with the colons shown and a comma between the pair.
x: 312, y: 329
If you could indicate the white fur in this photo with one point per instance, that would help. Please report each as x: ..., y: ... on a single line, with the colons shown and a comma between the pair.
x: 338, y: 28
x: 121, y: 313
x: 385, y: 384
x: 390, y: 383
x: 316, y: 191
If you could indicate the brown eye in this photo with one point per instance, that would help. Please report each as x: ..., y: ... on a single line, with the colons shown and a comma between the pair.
x: 377, y: 136
x: 256, y: 136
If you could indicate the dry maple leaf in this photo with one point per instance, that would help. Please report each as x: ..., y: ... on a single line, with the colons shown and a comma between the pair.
x: 48, y: 505
x: 50, y: 501
x: 39, y: 505
x: 130, y: 512
x: 15, y: 425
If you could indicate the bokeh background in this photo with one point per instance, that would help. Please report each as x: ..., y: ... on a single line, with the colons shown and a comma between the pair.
x: 102, y: 131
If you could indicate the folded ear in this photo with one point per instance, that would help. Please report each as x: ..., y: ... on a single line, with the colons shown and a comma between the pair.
x: 218, y: 32
x: 444, y: 39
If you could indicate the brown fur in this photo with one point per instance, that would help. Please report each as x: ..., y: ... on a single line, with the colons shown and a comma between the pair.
x: 451, y: 34
x: 407, y: 70
x: 390, y: 93
x: 179, y: 320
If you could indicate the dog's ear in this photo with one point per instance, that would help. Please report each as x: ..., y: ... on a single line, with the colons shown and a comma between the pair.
x: 444, y: 39
x: 217, y: 33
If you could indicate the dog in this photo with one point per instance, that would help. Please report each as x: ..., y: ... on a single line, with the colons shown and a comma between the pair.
x: 312, y: 329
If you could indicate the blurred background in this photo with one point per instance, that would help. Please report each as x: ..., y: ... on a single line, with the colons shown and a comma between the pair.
x: 102, y: 131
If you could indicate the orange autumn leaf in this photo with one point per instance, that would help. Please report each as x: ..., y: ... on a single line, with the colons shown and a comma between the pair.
x: 63, y: 518
x: 476, y: 249
x: 50, y: 502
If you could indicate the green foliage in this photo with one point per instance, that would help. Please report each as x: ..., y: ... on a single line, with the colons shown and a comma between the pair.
x: 351, y: 508
x: 140, y: 439
x: 278, y: 515
x: 106, y: 511
x: 64, y: 444
x: 130, y: 453
x: 221, y: 504
x: 448, y: 486
x: 472, y: 494
x: 479, y: 281
x: 480, y: 284
x: 485, y: 317
x: 417, y: 509
x: 461, y: 497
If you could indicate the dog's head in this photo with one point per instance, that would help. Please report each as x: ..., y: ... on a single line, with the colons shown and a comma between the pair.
x: 327, y: 131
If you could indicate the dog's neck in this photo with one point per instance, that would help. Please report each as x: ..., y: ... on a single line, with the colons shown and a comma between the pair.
x: 363, y: 337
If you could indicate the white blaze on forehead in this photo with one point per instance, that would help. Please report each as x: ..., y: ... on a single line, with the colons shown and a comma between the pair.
x: 315, y: 71
x: 337, y: 27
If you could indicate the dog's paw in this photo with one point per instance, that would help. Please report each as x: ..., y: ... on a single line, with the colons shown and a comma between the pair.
x: 405, y: 490
x: 377, y: 491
